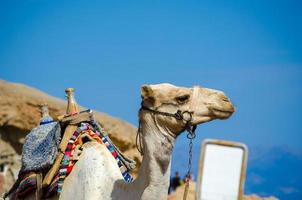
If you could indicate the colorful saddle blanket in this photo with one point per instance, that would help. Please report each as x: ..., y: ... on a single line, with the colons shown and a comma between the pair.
x: 87, y: 132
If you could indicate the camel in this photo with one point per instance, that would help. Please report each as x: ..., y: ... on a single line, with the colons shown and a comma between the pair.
x: 96, y: 174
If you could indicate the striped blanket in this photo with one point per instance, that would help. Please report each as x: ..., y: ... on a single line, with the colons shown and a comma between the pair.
x: 75, y: 143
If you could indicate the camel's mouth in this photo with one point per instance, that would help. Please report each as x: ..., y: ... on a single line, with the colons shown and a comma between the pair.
x: 222, y: 113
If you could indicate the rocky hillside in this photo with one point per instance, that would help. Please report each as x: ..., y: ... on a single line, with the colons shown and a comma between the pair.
x: 20, y: 112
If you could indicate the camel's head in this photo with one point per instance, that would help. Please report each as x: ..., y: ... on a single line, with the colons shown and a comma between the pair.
x: 205, y: 104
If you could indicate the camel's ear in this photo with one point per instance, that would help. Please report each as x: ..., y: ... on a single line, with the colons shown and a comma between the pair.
x: 147, y: 95
x: 146, y: 92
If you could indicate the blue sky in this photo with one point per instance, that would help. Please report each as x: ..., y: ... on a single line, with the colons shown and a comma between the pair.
x: 252, y: 50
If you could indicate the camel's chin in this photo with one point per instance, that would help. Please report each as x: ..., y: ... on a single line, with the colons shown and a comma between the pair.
x: 215, y: 114
x: 222, y: 114
x: 201, y: 120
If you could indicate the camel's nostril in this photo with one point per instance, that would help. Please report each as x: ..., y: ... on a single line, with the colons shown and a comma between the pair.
x: 225, y: 100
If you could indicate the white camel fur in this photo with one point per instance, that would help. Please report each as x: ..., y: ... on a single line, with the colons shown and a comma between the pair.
x: 96, y: 174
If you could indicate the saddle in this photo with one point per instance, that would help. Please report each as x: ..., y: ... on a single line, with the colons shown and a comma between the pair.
x: 47, y: 179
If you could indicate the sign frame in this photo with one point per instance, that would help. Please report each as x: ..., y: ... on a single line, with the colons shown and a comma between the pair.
x: 226, y: 144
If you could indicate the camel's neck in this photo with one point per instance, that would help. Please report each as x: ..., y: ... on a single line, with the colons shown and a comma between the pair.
x: 154, y: 173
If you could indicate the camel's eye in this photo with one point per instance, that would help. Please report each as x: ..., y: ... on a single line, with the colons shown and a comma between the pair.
x: 183, y: 99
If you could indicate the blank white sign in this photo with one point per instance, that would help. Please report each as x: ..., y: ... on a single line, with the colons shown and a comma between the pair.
x: 221, y: 172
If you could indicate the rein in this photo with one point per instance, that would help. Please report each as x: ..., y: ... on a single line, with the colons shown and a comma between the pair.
x: 179, y: 115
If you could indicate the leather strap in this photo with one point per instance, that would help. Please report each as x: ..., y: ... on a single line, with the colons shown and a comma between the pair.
x: 39, y: 190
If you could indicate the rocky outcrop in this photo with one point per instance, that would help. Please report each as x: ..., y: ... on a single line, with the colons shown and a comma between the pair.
x: 20, y: 112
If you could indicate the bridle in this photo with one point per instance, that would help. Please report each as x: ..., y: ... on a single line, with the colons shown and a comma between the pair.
x: 179, y: 115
